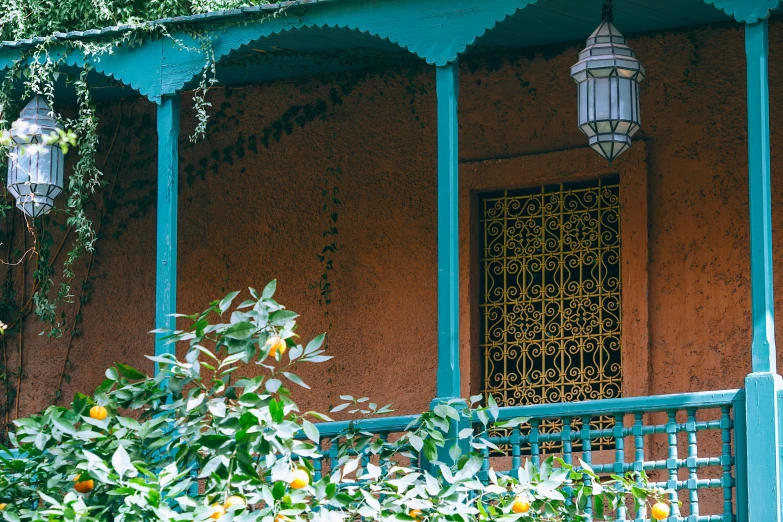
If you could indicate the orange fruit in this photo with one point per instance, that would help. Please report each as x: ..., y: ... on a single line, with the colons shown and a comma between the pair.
x: 660, y: 511
x: 277, y: 344
x: 300, y: 480
x: 98, y: 413
x: 235, y: 501
x: 415, y: 513
x: 520, y: 505
x: 83, y: 486
x: 2, y: 506
x: 217, y: 511
x: 282, y: 518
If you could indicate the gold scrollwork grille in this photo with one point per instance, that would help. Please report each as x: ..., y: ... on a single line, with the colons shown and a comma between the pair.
x: 550, y: 296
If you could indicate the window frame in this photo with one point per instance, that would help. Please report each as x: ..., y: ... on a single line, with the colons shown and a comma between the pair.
x: 565, y: 166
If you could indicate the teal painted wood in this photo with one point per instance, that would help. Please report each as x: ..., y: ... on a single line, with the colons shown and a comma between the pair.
x: 436, y: 31
x: 627, y: 405
x: 671, y: 462
x: 762, y: 387
x: 138, y: 67
x: 447, y: 80
x: 638, y: 454
x: 763, y: 461
x: 394, y: 424
x: 740, y: 456
x: 761, y: 290
x: 726, y: 461
x: 750, y: 11
x: 166, y: 267
x: 780, y: 441
x: 690, y: 417
x: 587, y: 458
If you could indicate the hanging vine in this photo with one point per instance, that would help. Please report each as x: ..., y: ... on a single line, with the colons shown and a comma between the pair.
x: 60, y: 247
x: 62, y: 243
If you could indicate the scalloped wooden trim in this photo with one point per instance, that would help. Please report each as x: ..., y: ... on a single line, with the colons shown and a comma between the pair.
x: 746, y: 11
x: 406, y: 23
x: 437, y: 31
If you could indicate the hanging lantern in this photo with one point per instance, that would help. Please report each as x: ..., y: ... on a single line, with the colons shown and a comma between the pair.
x: 35, y: 169
x: 607, y: 76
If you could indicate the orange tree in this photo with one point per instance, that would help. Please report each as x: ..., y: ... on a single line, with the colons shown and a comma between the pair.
x: 196, y: 443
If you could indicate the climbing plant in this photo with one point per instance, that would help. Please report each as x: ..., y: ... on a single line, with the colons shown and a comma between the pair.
x: 197, y: 443
x: 58, y: 250
x: 55, y: 245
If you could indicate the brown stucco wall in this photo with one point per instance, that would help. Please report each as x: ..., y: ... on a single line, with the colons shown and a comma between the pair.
x: 250, y: 213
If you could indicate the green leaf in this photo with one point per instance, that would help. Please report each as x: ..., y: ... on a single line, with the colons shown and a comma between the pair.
x: 213, y: 441
x: 131, y: 424
x: 455, y: 452
x: 320, y: 416
x: 122, y: 463
x: 278, y: 490
x: 430, y: 450
x: 315, y: 344
x: 295, y: 378
x: 241, y: 331
x: 511, y: 423
x: 130, y: 372
x: 282, y: 317
x: 493, y: 406
x: 269, y: 289
x: 225, y: 304
x: 464, y: 433
x: 311, y: 431
x: 598, y: 507
x: 64, y: 426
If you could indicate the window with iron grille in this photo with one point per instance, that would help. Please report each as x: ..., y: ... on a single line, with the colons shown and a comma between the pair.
x: 550, y: 296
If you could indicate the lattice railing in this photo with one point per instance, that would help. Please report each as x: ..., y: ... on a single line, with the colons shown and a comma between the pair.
x: 382, y: 429
x: 684, y: 442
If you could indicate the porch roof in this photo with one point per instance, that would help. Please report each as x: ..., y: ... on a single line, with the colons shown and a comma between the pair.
x: 306, y: 37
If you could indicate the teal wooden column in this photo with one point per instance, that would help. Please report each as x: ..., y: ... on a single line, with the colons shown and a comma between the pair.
x: 447, y: 83
x: 763, y: 384
x: 166, y: 261
x: 448, y: 232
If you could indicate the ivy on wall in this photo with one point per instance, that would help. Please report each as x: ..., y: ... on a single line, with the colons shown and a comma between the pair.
x: 50, y: 261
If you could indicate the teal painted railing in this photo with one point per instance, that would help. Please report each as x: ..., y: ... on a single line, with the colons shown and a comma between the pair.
x: 684, y: 442
x: 689, y: 443
x: 381, y: 428
x: 658, y: 434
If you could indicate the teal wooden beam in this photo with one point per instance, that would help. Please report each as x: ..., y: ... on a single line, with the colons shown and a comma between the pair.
x: 448, y: 231
x: 166, y: 265
x: 762, y: 386
x: 762, y: 294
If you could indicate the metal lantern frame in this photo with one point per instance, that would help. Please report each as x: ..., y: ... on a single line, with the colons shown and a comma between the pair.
x: 35, y: 168
x: 607, y: 77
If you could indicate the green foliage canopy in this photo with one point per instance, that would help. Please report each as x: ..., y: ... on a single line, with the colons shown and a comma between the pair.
x: 29, y: 18
x: 177, y: 446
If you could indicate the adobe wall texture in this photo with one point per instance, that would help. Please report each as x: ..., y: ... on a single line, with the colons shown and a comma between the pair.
x: 251, y: 211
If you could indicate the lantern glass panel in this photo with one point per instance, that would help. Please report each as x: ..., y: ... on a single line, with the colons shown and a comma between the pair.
x: 35, y: 170
x: 607, y: 75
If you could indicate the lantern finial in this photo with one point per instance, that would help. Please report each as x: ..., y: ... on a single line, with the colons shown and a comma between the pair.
x: 607, y: 77
x: 606, y: 11
x: 35, y: 168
